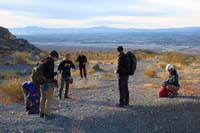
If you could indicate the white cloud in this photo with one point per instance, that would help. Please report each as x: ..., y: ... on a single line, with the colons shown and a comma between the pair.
x: 176, y: 13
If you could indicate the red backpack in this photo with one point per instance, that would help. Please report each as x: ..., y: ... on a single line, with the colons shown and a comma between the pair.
x: 163, y: 92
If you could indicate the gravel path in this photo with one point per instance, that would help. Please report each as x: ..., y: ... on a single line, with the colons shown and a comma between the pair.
x: 93, y: 110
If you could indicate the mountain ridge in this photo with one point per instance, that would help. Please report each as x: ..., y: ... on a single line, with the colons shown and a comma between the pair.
x: 31, y: 30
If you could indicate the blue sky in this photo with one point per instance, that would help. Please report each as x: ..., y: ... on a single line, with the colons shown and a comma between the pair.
x: 90, y: 13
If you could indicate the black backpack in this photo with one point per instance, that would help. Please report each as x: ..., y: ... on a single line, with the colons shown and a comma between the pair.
x: 38, y: 72
x: 131, y: 63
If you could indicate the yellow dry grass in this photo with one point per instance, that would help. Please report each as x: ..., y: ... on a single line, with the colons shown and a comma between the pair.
x: 150, y: 71
x: 11, y: 90
x: 85, y: 84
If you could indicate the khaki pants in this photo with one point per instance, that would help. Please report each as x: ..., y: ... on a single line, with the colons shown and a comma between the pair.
x: 172, y: 88
x: 46, y: 99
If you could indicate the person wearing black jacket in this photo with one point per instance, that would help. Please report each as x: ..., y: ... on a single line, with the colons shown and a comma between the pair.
x: 65, y: 68
x: 82, y: 60
x: 47, y: 88
x: 123, y: 76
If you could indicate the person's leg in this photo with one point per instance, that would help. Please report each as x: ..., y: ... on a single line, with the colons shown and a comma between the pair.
x: 121, y: 91
x: 81, y: 71
x: 49, y: 95
x: 61, y: 88
x: 26, y: 101
x: 172, y: 88
x: 42, y: 101
x: 126, y: 92
x: 66, y: 88
x: 84, y: 71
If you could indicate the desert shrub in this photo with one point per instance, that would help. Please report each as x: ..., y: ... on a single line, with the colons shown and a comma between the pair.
x: 143, y: 55
x: 22, y: 57
x: 11, y: 89
x: 85, y: 84
x: 8, y: 75
x: 177, y: 58
x: 162, y: 65
x: 150, y: 71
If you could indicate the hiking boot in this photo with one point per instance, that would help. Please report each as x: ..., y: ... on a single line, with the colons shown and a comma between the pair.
x: 175, y: 94
x: 59, y: 97
x: 41, y: 115
x: 49, y: 117
x: 126, y: 104
x: 27, y: 108
x: 120, y: 105
x: 67, y: 97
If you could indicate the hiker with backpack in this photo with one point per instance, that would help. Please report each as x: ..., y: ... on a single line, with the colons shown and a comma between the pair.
x: 126, y: 67
x: 170, y: 87
x: 31, y: 97
x: 48, y: 85
x: 82, y: 60
x: 65, y: 69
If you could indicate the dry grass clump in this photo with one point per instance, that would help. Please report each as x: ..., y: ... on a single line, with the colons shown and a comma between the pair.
x: 143, y: 55
x: 162, y: 65
x: 177, y: 58
x: 11, y: 90
x: 22, y: 57
x: 8, y: 75
x: 85, y: 84
x: 150, y: 71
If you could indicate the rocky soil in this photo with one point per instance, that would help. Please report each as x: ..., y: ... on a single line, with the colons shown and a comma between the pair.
x: 93, y: 110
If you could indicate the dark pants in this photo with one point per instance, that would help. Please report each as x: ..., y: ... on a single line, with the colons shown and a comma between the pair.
x: 82, y: 69
x: 123, y: 90
x: 64, y: 82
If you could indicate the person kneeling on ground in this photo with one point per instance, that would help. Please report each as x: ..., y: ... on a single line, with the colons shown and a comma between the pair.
x: 65, y: 68
x: 32, y: 97
x: 171, y: 86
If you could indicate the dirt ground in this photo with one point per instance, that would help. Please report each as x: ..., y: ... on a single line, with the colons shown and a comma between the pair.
x: 94, y: 110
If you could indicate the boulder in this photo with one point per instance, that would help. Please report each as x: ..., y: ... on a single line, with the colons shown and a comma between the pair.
x: 96, y: 67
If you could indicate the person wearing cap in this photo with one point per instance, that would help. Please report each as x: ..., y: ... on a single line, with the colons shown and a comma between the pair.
x: 172, y: 83
x: 123, y: 76
x: 47, y: 88
x: 82, y: 60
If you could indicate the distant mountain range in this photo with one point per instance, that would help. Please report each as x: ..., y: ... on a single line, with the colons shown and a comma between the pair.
x: 33, y: 30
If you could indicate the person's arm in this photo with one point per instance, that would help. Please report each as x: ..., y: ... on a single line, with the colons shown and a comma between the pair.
x: 85, y: 59
x: 78, y: 58
x: 50, y: 70
x: 60, y: 67
x: 120, y: 65
x: 72, y: 65
x: 30, y: 93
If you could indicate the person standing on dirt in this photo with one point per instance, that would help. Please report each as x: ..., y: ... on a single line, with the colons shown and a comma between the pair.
x: 65, y: 68
x: 123, y: 76
x: 47, y: 87
x: 172, y: 83
x: 82, y: 60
